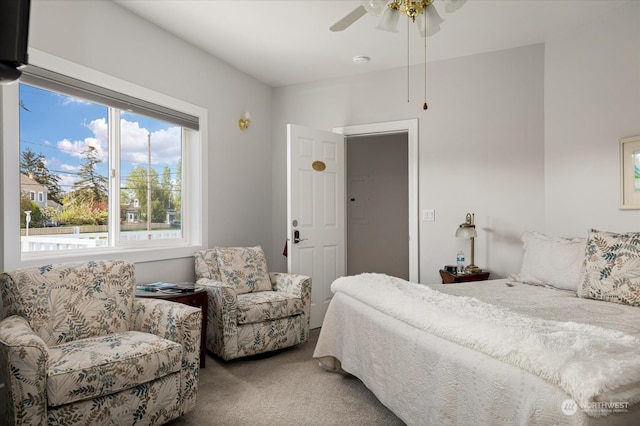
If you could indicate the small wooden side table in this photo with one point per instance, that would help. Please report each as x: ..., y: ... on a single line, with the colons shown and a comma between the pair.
x: 449, y: 278
x: 197, y: 298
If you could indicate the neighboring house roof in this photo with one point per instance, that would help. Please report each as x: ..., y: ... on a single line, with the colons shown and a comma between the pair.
x: 27, y: 184
x: 52, y: 204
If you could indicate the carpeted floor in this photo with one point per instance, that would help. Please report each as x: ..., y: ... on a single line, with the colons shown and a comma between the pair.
x: 282, y: 388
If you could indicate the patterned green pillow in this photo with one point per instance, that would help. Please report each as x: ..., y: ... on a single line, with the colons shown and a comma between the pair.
x: 611, y: 270
x: 206, y: 265
x: 243, y: 268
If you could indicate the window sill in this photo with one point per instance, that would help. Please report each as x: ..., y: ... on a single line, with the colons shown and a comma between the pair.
x: 133, y: 255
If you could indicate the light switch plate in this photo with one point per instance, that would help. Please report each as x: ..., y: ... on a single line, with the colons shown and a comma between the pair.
x: 428, y: 215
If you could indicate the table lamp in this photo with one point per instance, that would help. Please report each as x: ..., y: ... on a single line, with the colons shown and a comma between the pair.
x: 468, y: 230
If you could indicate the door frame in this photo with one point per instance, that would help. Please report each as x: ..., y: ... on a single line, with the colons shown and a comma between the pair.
x: 411, y: 128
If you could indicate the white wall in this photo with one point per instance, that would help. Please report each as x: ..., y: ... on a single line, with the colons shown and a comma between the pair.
x: 592, y: 99
x: 105, y: 37
x: 480, y: 148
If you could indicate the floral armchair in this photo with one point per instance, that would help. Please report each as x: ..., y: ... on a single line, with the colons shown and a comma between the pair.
x: 76, y: 347
x: 250, y: 310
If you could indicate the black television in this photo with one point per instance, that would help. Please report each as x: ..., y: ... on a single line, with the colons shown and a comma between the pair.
x: 14, y: 34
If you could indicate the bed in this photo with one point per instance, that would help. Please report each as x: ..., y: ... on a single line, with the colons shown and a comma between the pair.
x: 558, y: 343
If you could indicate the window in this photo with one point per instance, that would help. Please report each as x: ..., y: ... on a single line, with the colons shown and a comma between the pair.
x: 65, y: 144
x: 150, y: 178
x: 120, y: 173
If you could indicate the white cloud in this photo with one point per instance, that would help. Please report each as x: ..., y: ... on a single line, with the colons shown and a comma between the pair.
x: 166, y: 147
x: 133, y: 142
x: 69, y: 100
x: 166, y: 144
x: 99, y: 142
x: 69, y: 168
x: 66, y: 181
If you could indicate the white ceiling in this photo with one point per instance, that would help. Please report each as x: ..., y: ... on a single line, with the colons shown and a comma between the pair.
x: 286, y: 42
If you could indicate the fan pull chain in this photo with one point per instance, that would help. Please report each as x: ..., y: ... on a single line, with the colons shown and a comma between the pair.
x: 424, y: 106
x: 408, y: 83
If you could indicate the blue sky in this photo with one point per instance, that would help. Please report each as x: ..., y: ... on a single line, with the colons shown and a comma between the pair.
x: 61, y: 128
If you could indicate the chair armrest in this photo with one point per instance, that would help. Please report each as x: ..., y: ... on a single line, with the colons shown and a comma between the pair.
x: 179, y: 323
x: 222, y: 318
x: 298, y: 285
x: 223, y: 295
x: 23, y: 369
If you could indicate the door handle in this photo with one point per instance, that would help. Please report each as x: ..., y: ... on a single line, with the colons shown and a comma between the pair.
x: 296, y: 237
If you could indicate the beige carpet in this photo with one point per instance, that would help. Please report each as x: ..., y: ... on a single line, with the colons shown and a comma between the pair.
x: 283, y: 388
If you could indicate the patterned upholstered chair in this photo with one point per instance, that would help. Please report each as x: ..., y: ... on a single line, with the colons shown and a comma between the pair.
x: 76, y: 347
x: 251, y: 311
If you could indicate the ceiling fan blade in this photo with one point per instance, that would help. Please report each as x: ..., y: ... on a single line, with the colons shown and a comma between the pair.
x: 349, y: 19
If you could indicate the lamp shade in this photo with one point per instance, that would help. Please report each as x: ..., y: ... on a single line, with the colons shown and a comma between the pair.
x: 429, y: 22
x: 374, y: 7
x: 466, y: 232
x: 453, y: 5
x: 389, y: 21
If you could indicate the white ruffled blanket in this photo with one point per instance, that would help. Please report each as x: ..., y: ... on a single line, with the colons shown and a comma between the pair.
x: 590, y: 363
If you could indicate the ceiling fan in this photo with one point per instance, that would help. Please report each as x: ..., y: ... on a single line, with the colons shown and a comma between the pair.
x: 428, y: 19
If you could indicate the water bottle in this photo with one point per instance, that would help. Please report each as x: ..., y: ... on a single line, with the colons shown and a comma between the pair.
x: 460, y: 262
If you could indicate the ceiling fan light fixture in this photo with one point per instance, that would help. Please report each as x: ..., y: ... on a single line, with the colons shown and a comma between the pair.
x: 453, y: 5
x: 422, y: 12
x: 429, y: 22
x: 374, y: 7
x: 389, y: 20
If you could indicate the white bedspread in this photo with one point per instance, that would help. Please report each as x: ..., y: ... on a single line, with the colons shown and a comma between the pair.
x: 590, y: 363
x: 587, y: 363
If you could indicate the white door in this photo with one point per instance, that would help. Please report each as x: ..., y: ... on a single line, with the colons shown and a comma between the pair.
x: 316, y: 211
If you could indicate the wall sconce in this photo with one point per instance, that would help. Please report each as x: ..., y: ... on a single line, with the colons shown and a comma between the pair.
x: 468, y: 230
x: 243, y: 123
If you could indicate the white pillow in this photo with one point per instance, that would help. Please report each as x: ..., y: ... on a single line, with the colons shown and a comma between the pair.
x: 552, y: 261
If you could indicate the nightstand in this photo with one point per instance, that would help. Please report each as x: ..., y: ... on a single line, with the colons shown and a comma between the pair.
x: 449, y: 278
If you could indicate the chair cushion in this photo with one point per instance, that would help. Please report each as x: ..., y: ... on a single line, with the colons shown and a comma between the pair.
x: 267, y: 305
x: 243, y: 268
x: 67, y: 302
x: 206, y: 265
x: 103, y: 365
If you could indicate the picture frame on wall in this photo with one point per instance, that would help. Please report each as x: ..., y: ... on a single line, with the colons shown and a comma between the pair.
x: 630, y: 173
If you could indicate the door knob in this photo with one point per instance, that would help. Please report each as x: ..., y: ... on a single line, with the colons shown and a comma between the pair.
x: 296, y: 237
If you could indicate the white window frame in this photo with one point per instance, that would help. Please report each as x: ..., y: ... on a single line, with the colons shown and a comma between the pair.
x: 194, y: 201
